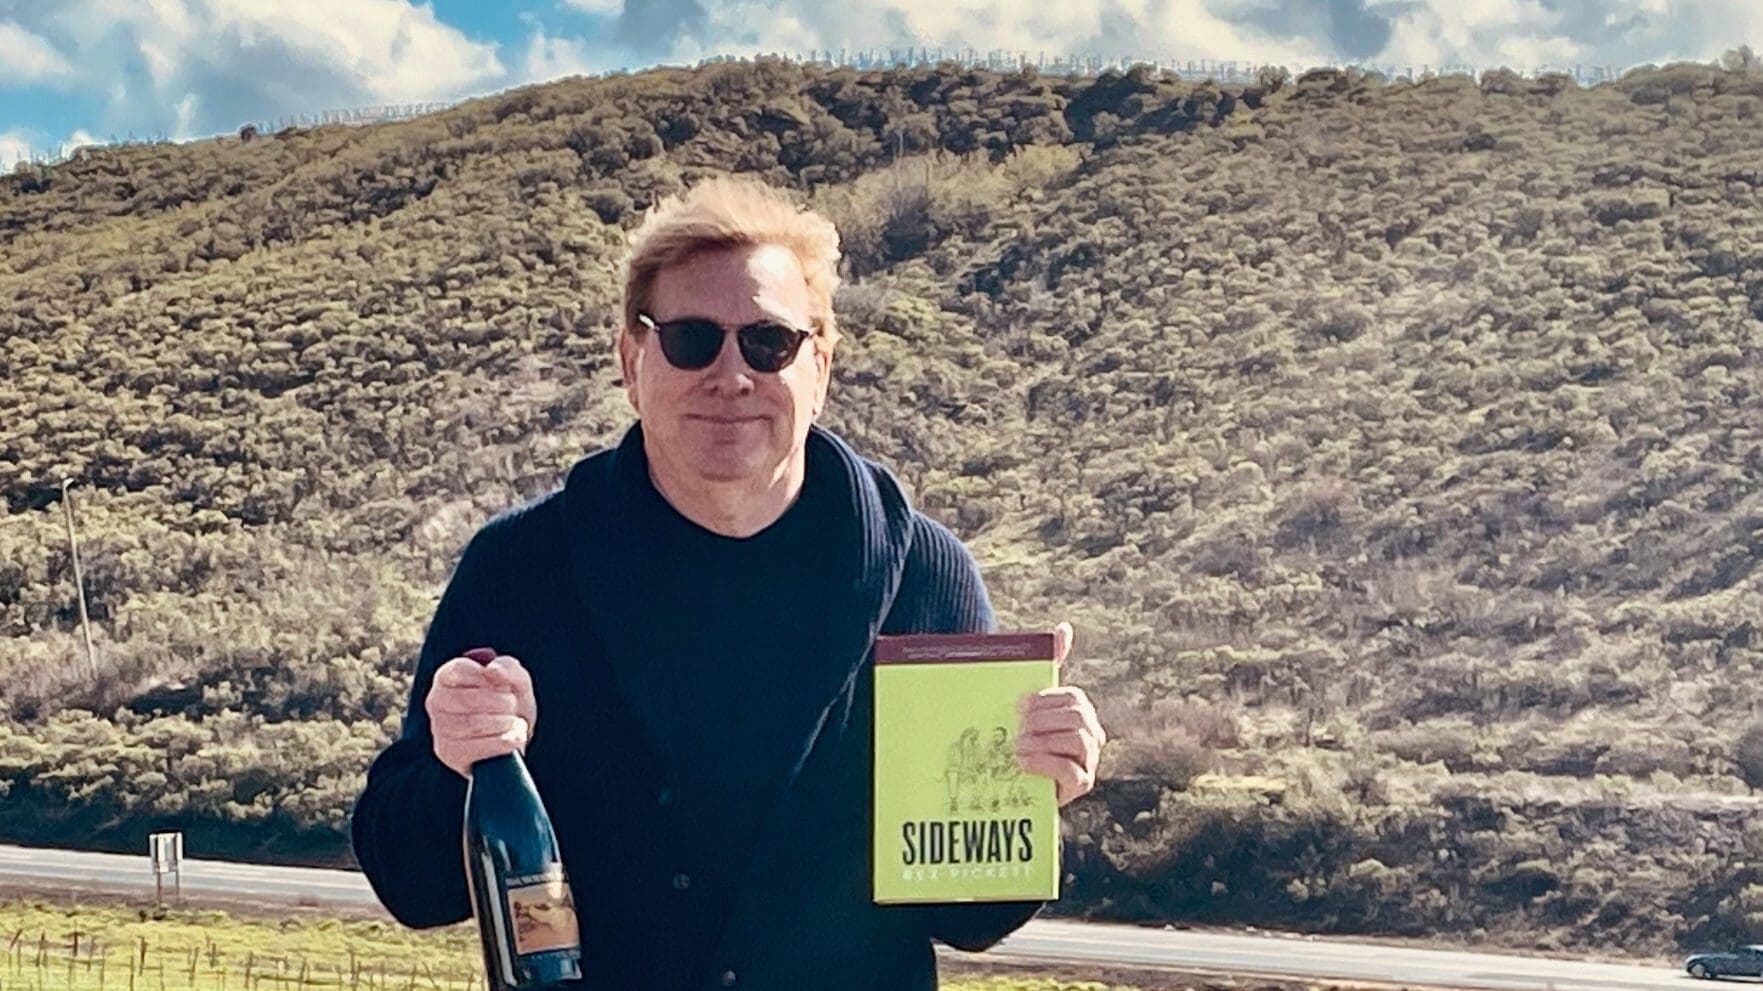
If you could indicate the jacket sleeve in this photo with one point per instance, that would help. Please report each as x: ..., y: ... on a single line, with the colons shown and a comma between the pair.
x: 947, y: 595
x: 408, y: 825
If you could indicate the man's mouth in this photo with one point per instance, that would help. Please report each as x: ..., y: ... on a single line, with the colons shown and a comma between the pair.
x: 723, y: 420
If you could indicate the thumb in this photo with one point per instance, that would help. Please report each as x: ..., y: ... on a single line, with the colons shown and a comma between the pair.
x: 1063, y: 635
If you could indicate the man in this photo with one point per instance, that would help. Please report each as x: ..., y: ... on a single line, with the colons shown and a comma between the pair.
x: 695, y: 611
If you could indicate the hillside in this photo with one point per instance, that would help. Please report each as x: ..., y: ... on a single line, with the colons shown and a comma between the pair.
x: 1394, y: 447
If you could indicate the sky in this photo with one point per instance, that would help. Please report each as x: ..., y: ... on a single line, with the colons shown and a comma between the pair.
x: 81, y: 71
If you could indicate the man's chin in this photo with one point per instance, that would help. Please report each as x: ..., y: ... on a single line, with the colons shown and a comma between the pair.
x: 726, y: 466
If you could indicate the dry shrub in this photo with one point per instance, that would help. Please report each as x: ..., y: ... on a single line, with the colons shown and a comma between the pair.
x: 1747, y: 754
x: 1172, y: 743
x: 909, y: 207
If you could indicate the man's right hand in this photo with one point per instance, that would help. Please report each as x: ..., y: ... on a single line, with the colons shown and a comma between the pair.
x: 477, y: 711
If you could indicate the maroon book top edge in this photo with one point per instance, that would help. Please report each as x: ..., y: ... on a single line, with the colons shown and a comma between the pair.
x: 931, y: 648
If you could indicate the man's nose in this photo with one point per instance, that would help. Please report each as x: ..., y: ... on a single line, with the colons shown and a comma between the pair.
x: 729, y: 372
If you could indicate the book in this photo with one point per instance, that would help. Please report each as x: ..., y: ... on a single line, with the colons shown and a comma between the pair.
x: 956, y: 819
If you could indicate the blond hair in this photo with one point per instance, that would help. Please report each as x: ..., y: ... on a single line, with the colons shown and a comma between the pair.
x: 733, y: 212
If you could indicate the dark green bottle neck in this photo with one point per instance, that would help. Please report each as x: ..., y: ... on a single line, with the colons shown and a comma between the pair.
x: 502, y: 775
x: 507, y: 760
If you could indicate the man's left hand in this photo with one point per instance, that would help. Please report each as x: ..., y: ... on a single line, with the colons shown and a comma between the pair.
x: 1060, y: 736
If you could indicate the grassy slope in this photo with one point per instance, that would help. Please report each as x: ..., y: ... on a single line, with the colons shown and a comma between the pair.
x: 1394, y: 449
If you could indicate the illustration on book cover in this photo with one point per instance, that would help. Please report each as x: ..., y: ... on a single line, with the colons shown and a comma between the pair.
x: 982, y: 775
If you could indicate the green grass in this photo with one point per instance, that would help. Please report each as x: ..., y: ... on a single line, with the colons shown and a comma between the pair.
x: 114, y: 948
x: 89, y: 947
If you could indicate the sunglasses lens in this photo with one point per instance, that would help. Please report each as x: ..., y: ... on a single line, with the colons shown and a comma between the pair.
x: 694, y: 343
x: 690, y: 343
x: 769, y: 347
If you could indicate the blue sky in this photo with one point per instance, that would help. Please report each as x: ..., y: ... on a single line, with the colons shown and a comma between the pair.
x: 74, y: 71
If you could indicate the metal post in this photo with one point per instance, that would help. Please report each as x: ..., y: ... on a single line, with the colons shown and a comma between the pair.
x: 166, y: 850
x: 79, y: 579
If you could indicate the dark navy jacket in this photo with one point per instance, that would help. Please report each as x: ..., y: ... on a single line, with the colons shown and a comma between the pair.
x: 658, y: 908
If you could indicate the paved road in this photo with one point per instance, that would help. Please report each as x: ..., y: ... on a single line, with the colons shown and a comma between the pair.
x: 1289, y: 956
x: 1041, y: 941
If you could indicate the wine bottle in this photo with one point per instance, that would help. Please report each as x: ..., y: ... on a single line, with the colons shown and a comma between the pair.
x: 519, y: 891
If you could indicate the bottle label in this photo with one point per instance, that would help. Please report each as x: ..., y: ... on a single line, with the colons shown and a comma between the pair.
x: 543, y: 912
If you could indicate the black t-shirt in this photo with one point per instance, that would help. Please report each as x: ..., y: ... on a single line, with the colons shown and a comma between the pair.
x: 742, y: 619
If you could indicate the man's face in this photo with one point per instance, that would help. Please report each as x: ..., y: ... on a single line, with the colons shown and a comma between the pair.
x: 726, y: 422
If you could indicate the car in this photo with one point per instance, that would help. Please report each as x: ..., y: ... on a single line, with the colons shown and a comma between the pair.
x: 1746, y: 961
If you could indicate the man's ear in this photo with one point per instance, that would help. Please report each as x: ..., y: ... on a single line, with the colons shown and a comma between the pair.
x: 629, y: 356
x: 823, y: 368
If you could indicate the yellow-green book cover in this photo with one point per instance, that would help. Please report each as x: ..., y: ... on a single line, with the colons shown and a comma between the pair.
x: 956, y: 819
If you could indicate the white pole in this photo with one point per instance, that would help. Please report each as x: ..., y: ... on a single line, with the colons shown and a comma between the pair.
x: 79, y: 580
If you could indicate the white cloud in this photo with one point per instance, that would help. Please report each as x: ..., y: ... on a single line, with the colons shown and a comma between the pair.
x: 186, y: 114
x: 1528, y: 34
x: 192, y: 67
x: 1150, y: 30
x: 26, y: 57
x: 19, y: 144
x: 758, y: 26
x: 1691, y: 30
x: 1518, y: 33
x: 1521, y: 33
x: 550, y: 57
x: 598, y: 8
x: 16, y: 145
x: 78, y: 138
x: 1134, y: 28
x: 1196, y: 29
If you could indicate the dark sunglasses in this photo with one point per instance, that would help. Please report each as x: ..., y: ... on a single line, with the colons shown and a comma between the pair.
x: 694, y: 342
